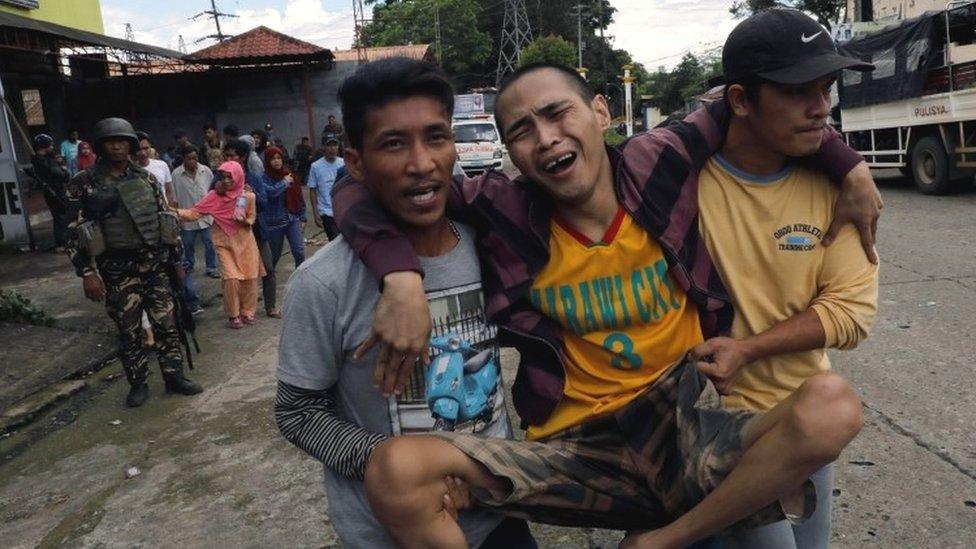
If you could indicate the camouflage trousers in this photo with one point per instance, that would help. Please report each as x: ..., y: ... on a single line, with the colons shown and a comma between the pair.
x: 133, y: 285
x: 638, y: 468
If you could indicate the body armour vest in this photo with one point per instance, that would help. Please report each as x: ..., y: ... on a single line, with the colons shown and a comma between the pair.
x: 135, y: 221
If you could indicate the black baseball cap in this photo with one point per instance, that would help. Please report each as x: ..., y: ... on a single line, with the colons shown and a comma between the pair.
x: 784, y: 46
x: 43, y: 141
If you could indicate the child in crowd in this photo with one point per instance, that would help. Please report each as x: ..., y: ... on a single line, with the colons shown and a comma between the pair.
x: 233, y: 210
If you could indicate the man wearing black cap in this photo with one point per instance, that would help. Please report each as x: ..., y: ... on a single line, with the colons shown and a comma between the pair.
x: 763, y: 219
x: 53, y: 178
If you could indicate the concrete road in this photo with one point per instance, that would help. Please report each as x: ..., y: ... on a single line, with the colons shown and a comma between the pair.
x: 909, y: 480
x: 214, y: 471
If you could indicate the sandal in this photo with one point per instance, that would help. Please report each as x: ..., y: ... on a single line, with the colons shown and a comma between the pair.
x: 236, y: 323
x: 273, y: 313
x: 249, y: 320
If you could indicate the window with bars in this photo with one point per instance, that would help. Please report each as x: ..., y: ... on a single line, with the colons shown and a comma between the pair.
x: 33, y: 109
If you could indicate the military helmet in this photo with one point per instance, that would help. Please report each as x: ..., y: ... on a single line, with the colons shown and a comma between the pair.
x: 115, y: 127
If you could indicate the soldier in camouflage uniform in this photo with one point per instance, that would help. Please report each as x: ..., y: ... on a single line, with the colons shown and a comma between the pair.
x: 121, y: 244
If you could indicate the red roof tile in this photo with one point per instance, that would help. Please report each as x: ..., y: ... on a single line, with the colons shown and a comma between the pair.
x: 257, y: 43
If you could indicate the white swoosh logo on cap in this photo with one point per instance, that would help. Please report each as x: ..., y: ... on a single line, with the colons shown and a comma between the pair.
x: 807, y: 39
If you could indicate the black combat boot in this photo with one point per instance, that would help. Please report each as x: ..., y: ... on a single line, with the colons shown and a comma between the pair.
x: 138, y: 395
x: 177, y: 383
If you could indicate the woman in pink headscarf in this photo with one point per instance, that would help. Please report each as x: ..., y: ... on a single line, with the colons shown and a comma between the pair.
x: 233, y: 211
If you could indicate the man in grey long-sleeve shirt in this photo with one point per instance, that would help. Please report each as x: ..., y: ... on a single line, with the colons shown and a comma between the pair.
x: 327, y: 404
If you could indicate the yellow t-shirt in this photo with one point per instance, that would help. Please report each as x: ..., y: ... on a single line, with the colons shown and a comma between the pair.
x: 764, y: 235
x: 624, y: 321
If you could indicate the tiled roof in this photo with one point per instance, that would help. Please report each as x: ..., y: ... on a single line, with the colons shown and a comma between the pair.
x: 413, y: 51
x: 259, y: 43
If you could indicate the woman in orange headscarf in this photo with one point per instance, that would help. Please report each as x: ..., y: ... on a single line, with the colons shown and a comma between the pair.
x: 233, y: 210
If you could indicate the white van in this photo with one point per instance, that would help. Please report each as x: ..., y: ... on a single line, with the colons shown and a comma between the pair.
x: 478, y: 145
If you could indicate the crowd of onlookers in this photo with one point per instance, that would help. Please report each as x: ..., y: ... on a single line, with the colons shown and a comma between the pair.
x: 215, y: 199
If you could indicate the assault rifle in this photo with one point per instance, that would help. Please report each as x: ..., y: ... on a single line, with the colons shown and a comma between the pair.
x: 185, y: 323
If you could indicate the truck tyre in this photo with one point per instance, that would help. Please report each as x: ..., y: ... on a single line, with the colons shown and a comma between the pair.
x: 930, y: 166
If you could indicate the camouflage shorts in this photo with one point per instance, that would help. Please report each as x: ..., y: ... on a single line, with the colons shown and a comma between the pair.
x: 638, y: 468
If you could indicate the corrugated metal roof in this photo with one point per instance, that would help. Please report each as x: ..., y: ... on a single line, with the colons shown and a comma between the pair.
x: 259, y: 44
x: 83, y: 37
x: 413, y: 51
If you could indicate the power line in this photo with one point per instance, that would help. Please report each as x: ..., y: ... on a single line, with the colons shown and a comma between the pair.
x: 216, y: 14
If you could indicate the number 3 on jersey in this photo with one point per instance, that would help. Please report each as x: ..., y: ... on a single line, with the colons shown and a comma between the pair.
x: 623, y: 349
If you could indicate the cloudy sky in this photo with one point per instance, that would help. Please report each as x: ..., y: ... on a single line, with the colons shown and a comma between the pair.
x: 656, y: 32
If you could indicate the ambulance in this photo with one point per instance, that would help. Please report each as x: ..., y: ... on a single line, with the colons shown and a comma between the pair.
x: 478, y: 144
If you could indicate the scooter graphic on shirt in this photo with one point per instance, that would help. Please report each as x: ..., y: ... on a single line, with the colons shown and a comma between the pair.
x: 459, y: 390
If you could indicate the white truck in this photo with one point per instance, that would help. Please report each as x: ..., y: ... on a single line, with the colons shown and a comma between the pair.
x: 917, y: 110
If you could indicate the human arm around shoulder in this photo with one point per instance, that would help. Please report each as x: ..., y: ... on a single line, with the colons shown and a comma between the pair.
x: 401, y: 324
x: 681, y: 148
x: 380, y: 244
x: 859, y: 202
x: 309, y: 361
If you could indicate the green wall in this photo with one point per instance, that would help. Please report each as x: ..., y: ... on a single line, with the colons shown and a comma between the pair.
x: 78, y: 14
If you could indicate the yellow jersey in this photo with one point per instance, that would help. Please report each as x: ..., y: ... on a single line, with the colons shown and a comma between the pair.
x: 624, y: 320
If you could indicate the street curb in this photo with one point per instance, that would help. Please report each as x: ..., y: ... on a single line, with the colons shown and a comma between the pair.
x: 26, y: 409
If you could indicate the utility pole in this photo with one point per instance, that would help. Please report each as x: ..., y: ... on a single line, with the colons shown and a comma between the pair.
x: 129, y: 35
x: 216, y: 14
x: 359, y: 20
x: 579, y: 40
x: 182, y: 45
x: 603, y: 46
x: 579, y: 32
x: 628, y: 101
x: 437, y: 31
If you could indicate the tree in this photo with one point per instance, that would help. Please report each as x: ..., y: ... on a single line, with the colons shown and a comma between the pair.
x: 477, y: 23
x: 463, y: 46
x: 670, y: 90
x: 827, y: 12
x: 550, y: 49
